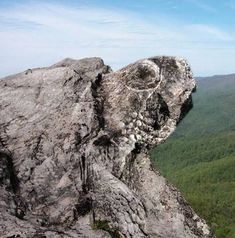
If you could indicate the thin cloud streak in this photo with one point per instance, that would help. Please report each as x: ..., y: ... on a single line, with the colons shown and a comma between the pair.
x: 40, y: 34
x: 202, y: 5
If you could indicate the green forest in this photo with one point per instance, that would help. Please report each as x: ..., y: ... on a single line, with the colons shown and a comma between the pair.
x: 199, y: 158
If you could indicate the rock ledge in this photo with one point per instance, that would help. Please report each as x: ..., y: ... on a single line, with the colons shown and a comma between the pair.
x: 74, y: 142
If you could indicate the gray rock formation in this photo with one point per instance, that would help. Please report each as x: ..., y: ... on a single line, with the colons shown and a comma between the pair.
x: 74, y: 142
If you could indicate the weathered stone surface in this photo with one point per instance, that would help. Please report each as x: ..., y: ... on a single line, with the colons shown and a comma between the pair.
x: 74, y: 140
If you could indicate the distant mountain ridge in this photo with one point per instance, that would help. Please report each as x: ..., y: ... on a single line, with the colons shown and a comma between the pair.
x: 200, y: 156
x: 227, y: 76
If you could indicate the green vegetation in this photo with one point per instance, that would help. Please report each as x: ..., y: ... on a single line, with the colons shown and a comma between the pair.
x: 104, y: 225
x: 199, y: 158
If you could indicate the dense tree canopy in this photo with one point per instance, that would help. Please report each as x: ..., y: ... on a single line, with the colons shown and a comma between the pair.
x: 199, y: 158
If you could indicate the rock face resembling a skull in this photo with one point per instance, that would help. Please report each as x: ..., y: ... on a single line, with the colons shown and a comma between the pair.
x: 144, y: 100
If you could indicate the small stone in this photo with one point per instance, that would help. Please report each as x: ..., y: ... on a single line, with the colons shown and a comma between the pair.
x: 121, y: 124
x: 139, y: 123
x: 131, y: 125
x: 132, y: 137
x: 141, y: 117
x: 134, y: 114
x: 124, y: 131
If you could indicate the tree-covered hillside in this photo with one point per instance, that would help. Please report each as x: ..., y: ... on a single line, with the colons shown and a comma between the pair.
x: 199, y: 158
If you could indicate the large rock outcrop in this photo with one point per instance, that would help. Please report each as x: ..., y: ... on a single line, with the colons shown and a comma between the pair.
x: 74, y: 142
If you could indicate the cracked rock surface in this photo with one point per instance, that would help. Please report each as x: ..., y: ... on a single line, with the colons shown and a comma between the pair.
x: 74, y: 142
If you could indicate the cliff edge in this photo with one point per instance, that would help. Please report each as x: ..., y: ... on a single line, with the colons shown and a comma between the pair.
x: 74, y: 142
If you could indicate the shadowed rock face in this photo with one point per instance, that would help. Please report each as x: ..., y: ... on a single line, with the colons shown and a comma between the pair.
x: 74, y: 141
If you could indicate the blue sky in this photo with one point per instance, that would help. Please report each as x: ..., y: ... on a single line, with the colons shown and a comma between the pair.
x: 39, y: 33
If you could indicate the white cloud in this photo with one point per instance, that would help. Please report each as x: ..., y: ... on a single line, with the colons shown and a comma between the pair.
x: 211, y: 32
x: 40, y: 34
